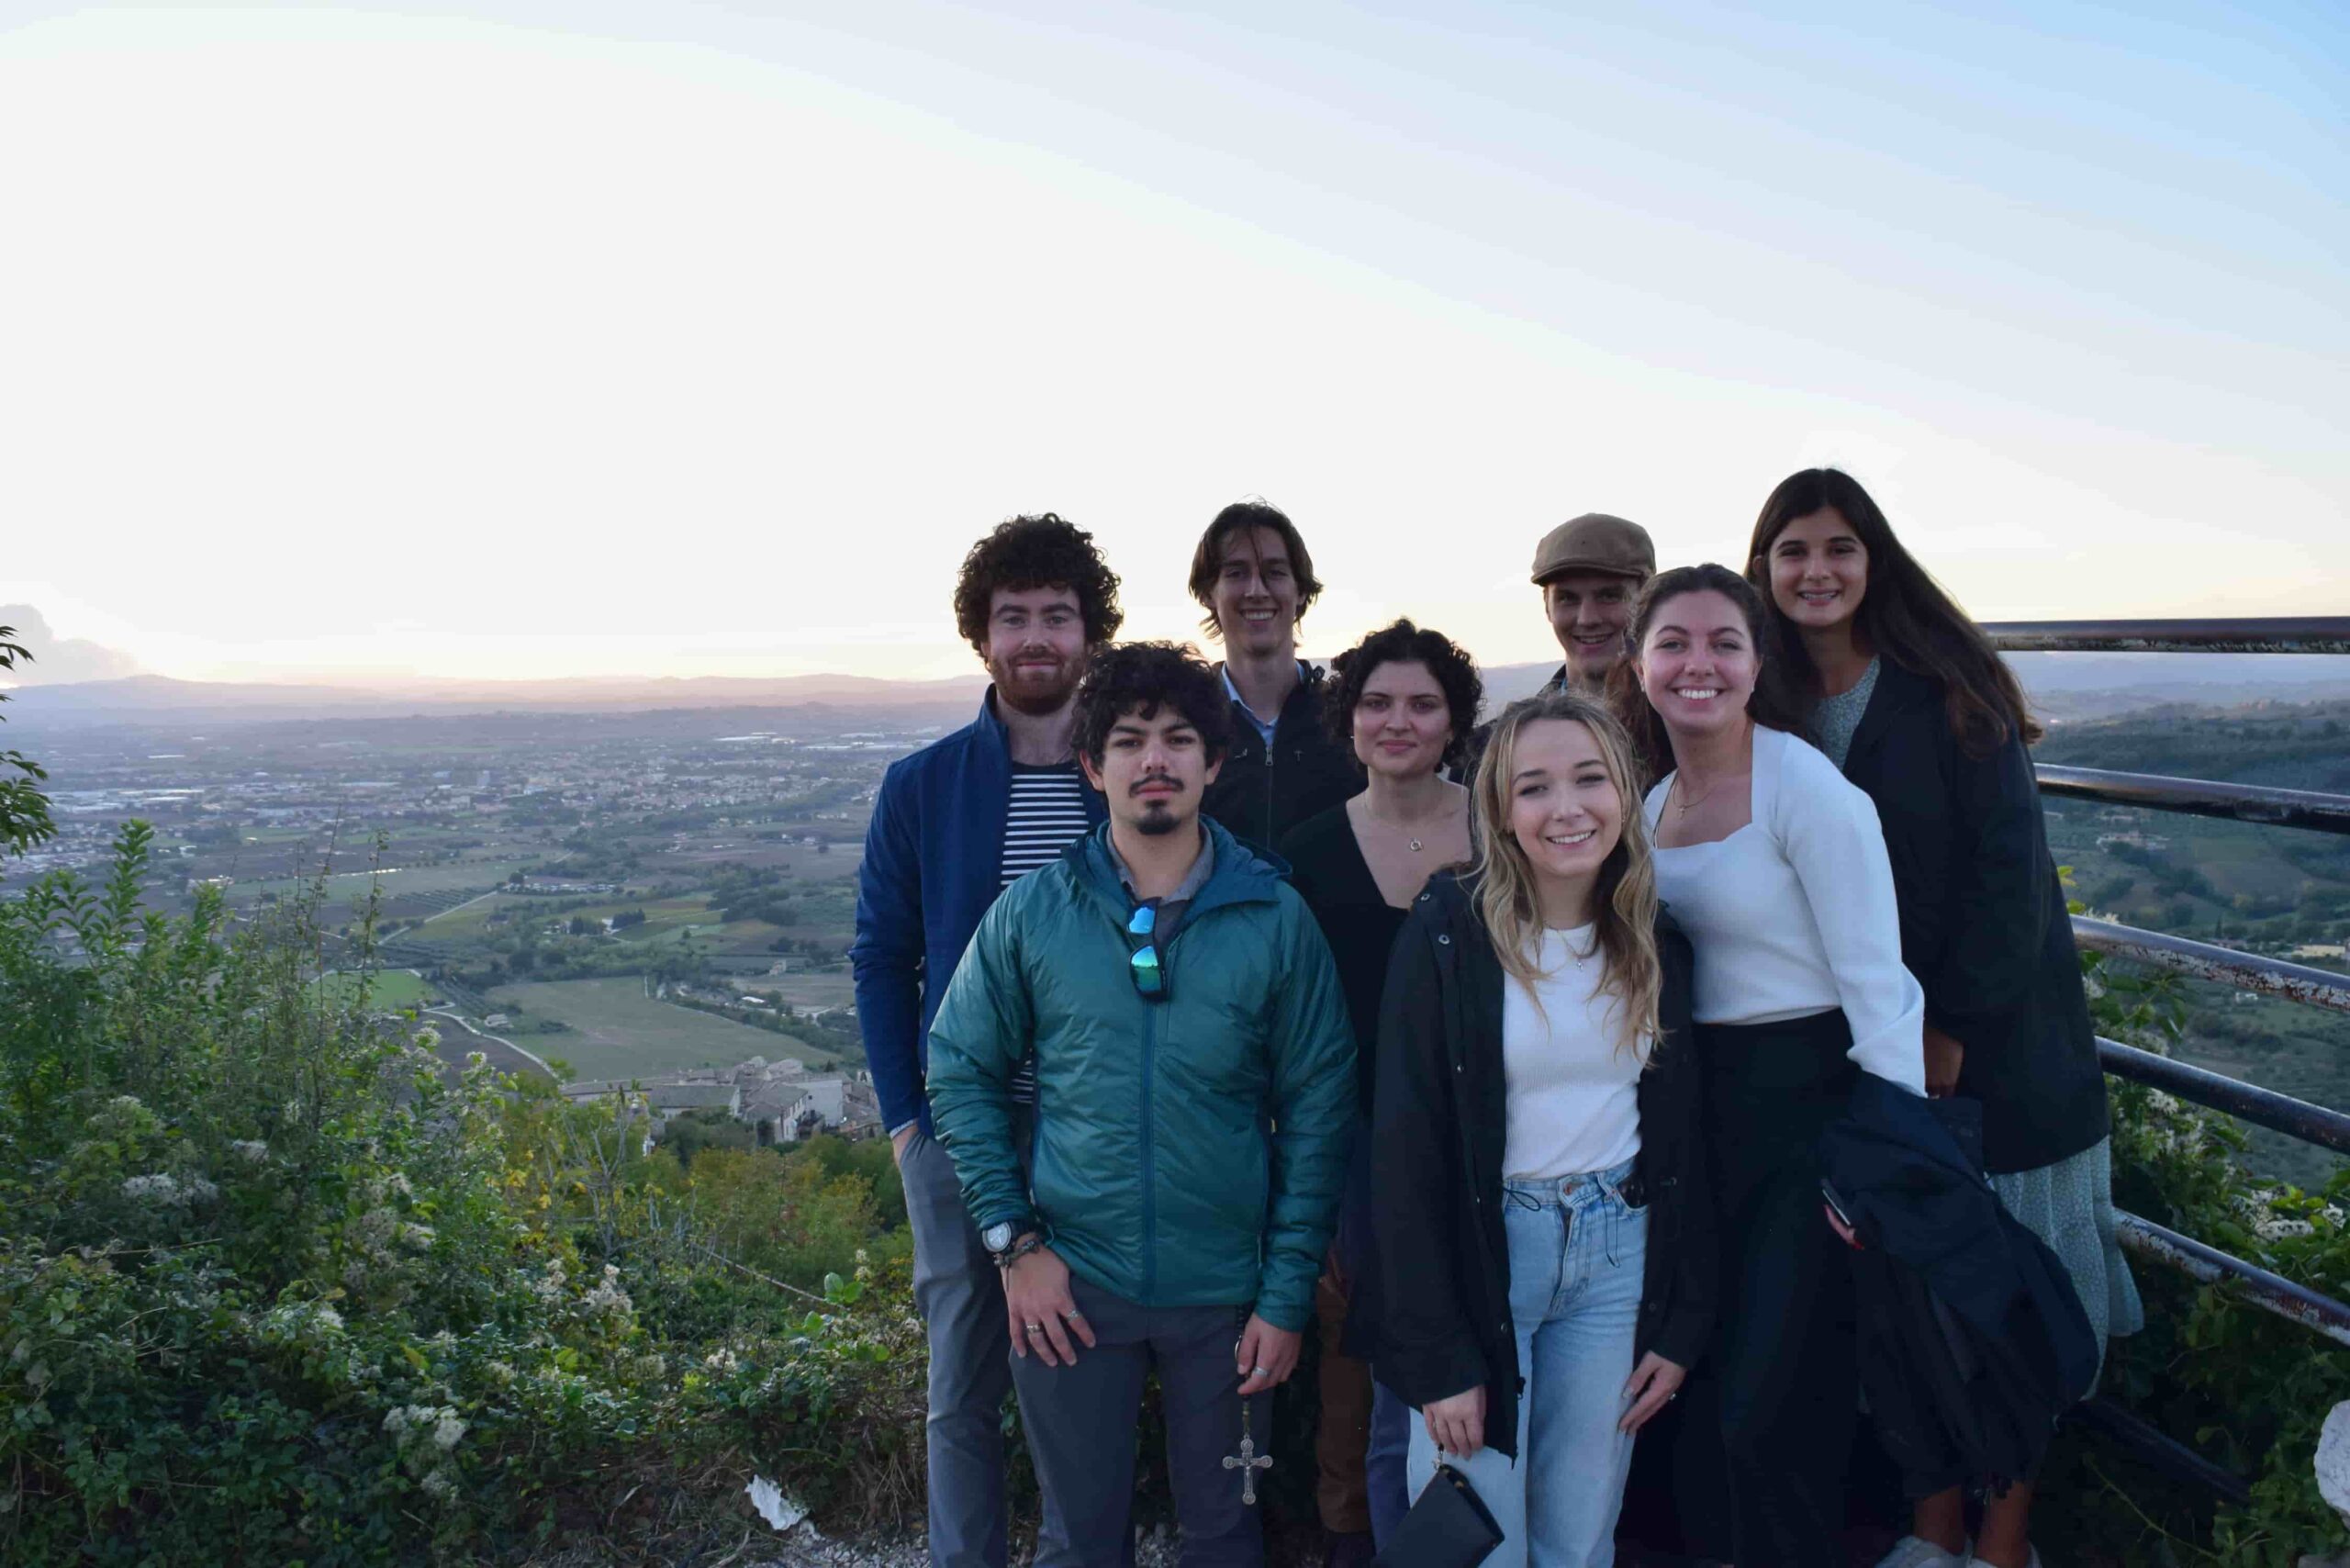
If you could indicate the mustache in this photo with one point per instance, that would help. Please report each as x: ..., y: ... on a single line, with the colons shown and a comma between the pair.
x: 1140, y: 785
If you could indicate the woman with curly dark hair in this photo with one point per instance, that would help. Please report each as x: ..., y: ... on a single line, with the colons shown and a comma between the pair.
x: 1403, y: 702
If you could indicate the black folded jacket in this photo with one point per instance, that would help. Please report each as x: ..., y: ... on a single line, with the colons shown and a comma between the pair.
x: 1972, y: 1341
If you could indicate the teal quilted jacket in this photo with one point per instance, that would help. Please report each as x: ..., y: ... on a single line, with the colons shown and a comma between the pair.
x: 1188, y: 1151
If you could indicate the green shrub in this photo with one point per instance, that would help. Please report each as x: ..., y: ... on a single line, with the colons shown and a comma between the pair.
x: 276, y: 1286
x: 2239, y: 1385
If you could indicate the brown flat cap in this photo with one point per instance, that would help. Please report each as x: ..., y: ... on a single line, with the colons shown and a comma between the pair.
x: 1595, y: 542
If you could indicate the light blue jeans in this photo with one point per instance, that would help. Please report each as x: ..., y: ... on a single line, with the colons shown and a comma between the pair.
x: 1576, y: 1253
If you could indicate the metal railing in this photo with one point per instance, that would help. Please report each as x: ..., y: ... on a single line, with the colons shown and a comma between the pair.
x: 2302, y: 983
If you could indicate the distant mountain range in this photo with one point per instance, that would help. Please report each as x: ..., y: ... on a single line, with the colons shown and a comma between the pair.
x: 2064, y: 685
x: 145, y: 698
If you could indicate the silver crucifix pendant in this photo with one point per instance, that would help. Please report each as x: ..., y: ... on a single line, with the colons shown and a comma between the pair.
x: 1248, y: 1461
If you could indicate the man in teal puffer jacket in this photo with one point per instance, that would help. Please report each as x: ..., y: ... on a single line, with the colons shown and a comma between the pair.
x: 1194, y: 1096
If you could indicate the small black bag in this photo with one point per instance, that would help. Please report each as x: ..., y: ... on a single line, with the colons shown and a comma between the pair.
x: 1448, y: 1527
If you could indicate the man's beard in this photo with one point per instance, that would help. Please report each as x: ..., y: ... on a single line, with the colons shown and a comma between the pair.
x: 1157, y: 821
x: 1035, y: 695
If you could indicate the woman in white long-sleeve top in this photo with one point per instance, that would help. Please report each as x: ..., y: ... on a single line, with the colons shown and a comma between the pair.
x: 1775, y: 867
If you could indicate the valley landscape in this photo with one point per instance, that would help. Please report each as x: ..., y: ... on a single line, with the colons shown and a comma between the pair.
x: 623, y: 879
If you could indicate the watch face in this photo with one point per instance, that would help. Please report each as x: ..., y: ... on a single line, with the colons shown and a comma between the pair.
x: 996, y: 1238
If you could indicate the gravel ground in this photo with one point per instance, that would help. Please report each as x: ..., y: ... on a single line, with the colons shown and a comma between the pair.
x: 803, y: 1548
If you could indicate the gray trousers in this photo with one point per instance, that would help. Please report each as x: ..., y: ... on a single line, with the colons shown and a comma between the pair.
x: 961, y: 1301
x: 1081, y: 1423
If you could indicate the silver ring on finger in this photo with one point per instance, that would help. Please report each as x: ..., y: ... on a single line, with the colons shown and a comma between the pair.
x: 1072, y: 1314
x: 1256, y: 1371
x: 1035, y: 1328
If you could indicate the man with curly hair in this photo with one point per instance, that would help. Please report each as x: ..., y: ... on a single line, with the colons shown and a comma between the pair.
x: 1254, y: 576
x: 1197, y: 1093
x: 954, y: 825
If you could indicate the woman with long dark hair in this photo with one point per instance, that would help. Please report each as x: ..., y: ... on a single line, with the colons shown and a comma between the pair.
x: 1547, y: 1257
x: 1911, y: 701
x: 1775, y: 867
x: 1403, y: 702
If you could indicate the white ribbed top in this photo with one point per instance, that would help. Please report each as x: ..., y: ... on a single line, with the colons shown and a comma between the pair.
x: 1793, y: 913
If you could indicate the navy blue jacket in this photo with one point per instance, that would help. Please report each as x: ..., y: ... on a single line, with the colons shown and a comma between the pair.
x: 1971, y: 1339
x: 933, y: 862
x: 1983, y: 926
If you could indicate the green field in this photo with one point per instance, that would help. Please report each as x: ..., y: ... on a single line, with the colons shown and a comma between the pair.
x: 801, y: 989
x: 391, y: 990
x: 617, y: 1030
x: 345, y: 889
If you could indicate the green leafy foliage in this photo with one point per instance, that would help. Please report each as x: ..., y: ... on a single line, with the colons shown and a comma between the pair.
x: 278, y: 1285
x: 2232, y: 1381
x: 23, y: 810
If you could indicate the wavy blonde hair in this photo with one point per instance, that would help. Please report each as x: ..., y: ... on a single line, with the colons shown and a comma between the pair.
x: 1623, y: 899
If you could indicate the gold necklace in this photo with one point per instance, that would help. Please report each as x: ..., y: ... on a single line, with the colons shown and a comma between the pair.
x: 1682, y: 802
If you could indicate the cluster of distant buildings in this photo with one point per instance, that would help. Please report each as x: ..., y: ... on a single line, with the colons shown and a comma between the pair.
x: 780, y: 1102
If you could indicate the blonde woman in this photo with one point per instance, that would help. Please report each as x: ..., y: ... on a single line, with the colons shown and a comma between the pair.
x: 1547, y: 1257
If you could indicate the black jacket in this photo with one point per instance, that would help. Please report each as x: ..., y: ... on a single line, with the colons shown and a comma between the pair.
x: 1441, y: 1306
x: 1971, y: 1339
x: 1263, y: 791
x: 1983, y: 922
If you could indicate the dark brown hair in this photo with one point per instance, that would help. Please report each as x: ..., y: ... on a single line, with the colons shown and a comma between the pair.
x: 1771, y: 704
x: 1043, y: 551
x: 1905, y: 615
x: 1405, y: 643
x: 1207, y: 561
x: 1141, y: 679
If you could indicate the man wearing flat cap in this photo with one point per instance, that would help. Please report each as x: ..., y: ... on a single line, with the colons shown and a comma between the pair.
x: 1590, y: 570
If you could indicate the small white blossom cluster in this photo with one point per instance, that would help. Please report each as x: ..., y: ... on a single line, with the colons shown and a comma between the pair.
x: 607, y: 1299
x: 425, y: 1433
x: 164, y: 1190
x: 438, y: 1425
x: 253, y: 1152
x: 295, y: 1321
x: 122, y: 1117
x: 723, y: 1362
x: 2258, y: 1209
x: 549, y: 1286
x: 427, y: 1038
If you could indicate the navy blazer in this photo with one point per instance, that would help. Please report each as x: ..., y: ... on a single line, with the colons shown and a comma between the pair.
x: 1983, y: 926
x: 933, y: 862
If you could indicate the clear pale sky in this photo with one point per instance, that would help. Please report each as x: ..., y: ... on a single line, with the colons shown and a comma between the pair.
x: 573, y: 337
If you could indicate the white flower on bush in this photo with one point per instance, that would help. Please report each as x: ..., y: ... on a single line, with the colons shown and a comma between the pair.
x: 417, y: 1236
x: 549, y: 1286
x: 608, y: 1299
x: 164, y: 1190
x: 427, y: 1038
x: 301, y: 1320
x: 253, y: 1152
x: 159, y: 1191
x: 415, y: 1424
x: 372, y: 1230
x: 722, y: 1362
x: 123, y: 1113
x: 438, y: 1487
